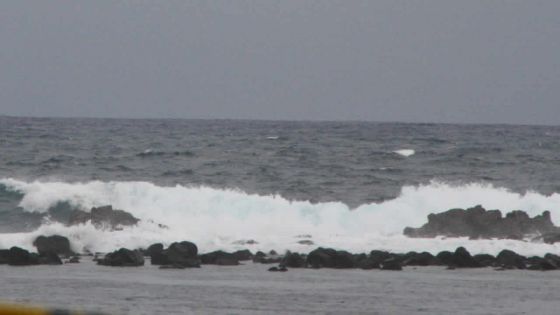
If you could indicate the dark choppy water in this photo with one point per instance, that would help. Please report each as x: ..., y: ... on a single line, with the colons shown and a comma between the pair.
x: 317, y: 161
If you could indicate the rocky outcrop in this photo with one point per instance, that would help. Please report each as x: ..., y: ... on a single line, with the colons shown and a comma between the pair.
x: 57, y: 244
x: 178, y: 255
x: 293, y: 260
x: 508, y: 259
x: 20, y: 257
x: 123, y: 258
x: 103, y: 217
x: 330, y: 258
x: 220, y: 258
x: 478, y: 222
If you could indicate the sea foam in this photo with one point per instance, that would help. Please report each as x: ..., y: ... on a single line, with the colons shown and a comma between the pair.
x: 219, y: 219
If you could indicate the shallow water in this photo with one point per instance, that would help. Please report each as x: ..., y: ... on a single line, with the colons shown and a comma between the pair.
x: 251, y: 289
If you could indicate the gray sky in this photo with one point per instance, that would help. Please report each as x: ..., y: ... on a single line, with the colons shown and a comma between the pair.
x: 423, y: 61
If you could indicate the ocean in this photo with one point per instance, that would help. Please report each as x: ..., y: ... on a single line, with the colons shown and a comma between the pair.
x: 221, y: 183
x: 269, y: 185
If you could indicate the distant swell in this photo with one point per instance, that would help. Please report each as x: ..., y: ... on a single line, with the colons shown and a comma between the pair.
x: 216, y: 218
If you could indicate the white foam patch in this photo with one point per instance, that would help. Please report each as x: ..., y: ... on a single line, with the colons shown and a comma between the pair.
x: 216, y: 219
x: 405, y: 152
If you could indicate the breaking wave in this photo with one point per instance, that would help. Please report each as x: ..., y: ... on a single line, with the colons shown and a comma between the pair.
x: 223, y: 219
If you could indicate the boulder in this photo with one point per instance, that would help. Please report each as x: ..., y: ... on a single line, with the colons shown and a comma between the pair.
x: 178, y: 255
x: 485, y: 260
x: 57, y: 244
x: 478, y: 222
x: 445, y: 257
x: 123, y: 258
x: 542, y: 264
x: 330, y: 258
x: 4, y: 254
x: 461, y: 258
x: 156, y: 248
x: 243, y: 255
x: 420, y: 259
x: 293, y: 260
x: 508, y: 259
x: 220, y: 258
x: 20, y: 257
x: 103, y: 217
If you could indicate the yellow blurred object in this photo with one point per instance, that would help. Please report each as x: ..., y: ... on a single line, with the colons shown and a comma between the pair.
x: 8, y: 309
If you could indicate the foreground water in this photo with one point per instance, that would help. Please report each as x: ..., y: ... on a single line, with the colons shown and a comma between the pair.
x: 250, y: 289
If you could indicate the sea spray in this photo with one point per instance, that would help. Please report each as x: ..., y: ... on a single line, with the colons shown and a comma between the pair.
x: 221, y: 218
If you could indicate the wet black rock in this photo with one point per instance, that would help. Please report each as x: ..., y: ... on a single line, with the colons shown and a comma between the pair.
x: 179, y: 255
x: 508, y: 259
x: 103, y: 217
x: 4, y: 254
x: 293, y: 260
x: 57, y: 244
x: 20, y: 257
x: 420, y: 259
x: 123, y: 258
x: 478, y: 222
x: 485, y: 260
x: 220, y: 258
x: 154, y: 249
x: 278, y: 269
x: 550, y: 238
x: 243, y: 255
x: 330, y: 258
x: 461, y: 258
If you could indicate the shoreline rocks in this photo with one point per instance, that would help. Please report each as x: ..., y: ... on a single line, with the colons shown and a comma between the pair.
x: 479, y: 223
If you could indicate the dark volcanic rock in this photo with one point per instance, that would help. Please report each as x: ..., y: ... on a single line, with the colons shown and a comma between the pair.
x: 330, y: 258
x: 4, y: 254
x: 220, y: 258
x: 178, y: 255
x: 279, y: 268
x: 485, y: 260
x: 103, y: 217
x: 477, y: 222
x: 242, y: 255
x: 293, y: 260
x: 508, y: 259
x: 420, y: 259
x: 156, y: 248
x: 461, y: 258
x: 551, y: 237
x: 57, y: 244
x: 123, y: 258
x: 20, y: 257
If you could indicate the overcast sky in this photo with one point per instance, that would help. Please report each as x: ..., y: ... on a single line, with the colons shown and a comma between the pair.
x: 415, y: 61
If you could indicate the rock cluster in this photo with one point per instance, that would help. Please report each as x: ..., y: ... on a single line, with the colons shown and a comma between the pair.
x: 103, y: 217
x: 185, y: 255
x: 478, y: 222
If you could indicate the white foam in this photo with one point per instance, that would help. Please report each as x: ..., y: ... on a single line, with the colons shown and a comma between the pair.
x: 215, y: 219
x: 405, y: 152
